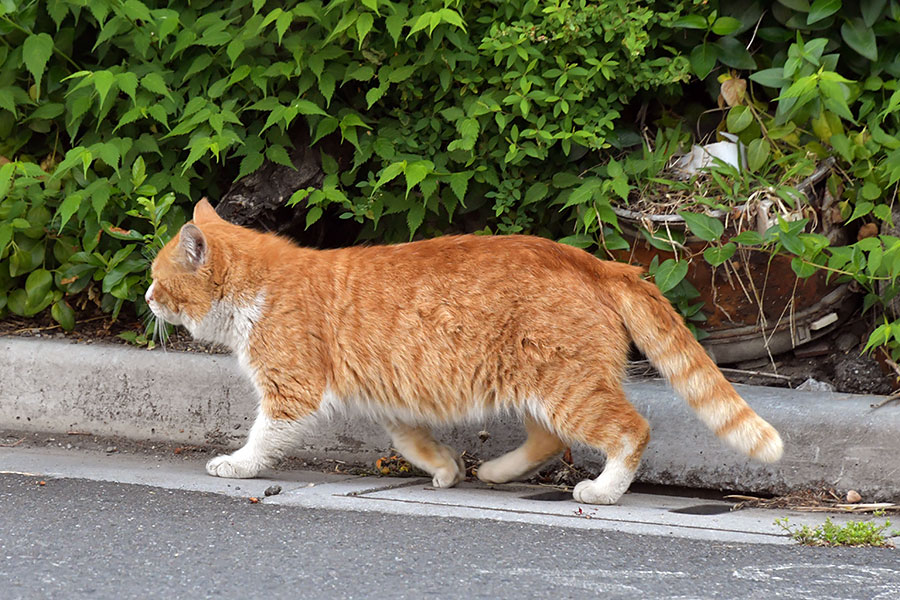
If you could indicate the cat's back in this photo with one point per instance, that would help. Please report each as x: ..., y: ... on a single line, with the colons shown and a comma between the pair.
x: 482, y: 257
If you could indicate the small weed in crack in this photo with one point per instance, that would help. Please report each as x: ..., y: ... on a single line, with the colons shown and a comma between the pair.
x: 854, y: 533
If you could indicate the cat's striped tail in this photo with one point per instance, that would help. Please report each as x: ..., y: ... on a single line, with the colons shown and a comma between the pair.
x: 659, y: 332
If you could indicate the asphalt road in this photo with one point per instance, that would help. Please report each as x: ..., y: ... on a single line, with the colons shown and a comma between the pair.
x: 75, y: 538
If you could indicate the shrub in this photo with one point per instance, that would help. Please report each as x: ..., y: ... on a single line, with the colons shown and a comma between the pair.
x: 454, y: 116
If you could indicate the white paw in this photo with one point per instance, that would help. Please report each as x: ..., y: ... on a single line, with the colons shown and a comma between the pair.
x: 492, y: 472
x: 590, y: 492
x: 448, y: 477
x: 232, y: 468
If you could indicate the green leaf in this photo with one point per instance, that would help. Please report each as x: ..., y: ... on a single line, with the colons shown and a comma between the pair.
x: 860, y: 37
x: 103, y: 81
x: 798, y: 5
x: 127, y: 82
x: 390, y: 172
x: 860, y: 210
x: 249, y: 164
x: 37, y: 285
x: 6, y: 233
x: 313, y: 215
x: 703, y: 59
x: 537, y: 192
x: 757, y: 153
x: 364, y: 26
x: 703, y: 226
x: 414, y: 218
x: 871, y: 191
x: 821, y: 9
x: 36, y: 51
x: 68, y: 208
x: 773, y: 78
x: 733, y: 53
x: 802, y: 268
x: 417, y: 171
x: 277, y: 154
x: 738, y: 119
x: 716, y: 255
x: 394, y: 25
x: 871, y: 10
x: 459, y: 183
x: 6, y: 173
x: 63, y: 314
x: 579, y: 240
x: 154, y: 82
x: 669, y: 274
x: 691, y: 22
x: 726, y: 26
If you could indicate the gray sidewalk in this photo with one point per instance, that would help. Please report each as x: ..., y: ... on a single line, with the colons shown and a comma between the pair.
x: 636, y: 513
x: 55, y: 386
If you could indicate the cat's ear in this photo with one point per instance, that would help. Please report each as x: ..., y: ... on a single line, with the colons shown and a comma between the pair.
x: 194, y: 245
x: 204, y: 212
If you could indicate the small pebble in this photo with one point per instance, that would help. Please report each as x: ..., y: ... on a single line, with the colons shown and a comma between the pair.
x: 68, y: 446
x: 111, y: 449
x: 853, y: 497
x: 273, y: 490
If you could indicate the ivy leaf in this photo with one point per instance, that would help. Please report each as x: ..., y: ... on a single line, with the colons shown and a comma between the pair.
x: 36, y: 51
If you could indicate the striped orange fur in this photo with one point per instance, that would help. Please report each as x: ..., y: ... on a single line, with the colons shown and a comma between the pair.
x: 440, y: 331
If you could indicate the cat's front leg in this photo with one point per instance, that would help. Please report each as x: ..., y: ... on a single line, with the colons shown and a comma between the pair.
x: 266, y: 445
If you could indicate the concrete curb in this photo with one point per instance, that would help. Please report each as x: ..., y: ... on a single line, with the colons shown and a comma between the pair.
x: 55, y: 386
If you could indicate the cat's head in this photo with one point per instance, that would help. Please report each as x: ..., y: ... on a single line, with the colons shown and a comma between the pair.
x: 184, y: 271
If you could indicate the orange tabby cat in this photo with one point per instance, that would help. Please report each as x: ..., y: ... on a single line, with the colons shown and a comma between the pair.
x: 440, y: 331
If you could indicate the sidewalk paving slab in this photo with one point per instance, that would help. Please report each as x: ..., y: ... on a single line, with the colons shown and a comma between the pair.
x: 56, y: 386
x: 637, y: 513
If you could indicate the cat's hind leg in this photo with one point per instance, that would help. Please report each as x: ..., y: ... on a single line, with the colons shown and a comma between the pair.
x: 540, y: 446
x: 419, y: 447
x: 606, y: 420
x: 268, y: 440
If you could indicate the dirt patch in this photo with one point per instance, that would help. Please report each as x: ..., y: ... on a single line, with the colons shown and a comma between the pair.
x: 824, y: 499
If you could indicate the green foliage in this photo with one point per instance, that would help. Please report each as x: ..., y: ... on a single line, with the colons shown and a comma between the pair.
x: 441, y: 111
x: 853, y: 533
x: 439, y: 116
